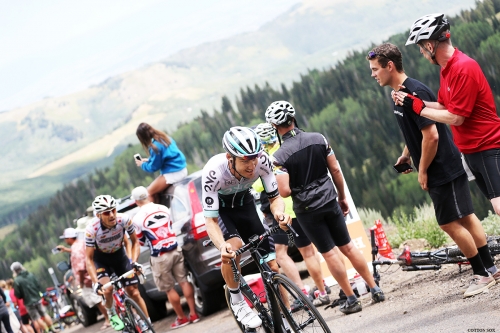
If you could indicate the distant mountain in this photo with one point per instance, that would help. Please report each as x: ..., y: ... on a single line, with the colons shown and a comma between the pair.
x: 60, y: 139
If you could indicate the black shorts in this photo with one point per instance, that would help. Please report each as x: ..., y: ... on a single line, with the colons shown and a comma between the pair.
x: 485, y: 166
x: 244, y: 222
x: 325, y: 227
x: 25, y: 319
x: 452, y: 201
x: 116, y: 262
x: 282, y: 238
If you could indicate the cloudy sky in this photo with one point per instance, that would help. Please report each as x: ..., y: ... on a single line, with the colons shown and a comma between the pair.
x: 55, y: 47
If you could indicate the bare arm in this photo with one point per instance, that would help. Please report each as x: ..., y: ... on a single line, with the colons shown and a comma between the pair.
x: 89, y: 261
x: 284, y: 184
x: 429, y: 148
x: 128, y: 247
x: 214, y: 231
x: 338, y: 180
x: 63, y: 248
x: 135, y: 249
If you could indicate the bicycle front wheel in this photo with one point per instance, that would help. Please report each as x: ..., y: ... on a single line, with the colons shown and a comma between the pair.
x: 304, y: 317
x: 136, y: 319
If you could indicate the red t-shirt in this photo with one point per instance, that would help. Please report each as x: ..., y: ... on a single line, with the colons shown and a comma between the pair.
x: 464, y: 91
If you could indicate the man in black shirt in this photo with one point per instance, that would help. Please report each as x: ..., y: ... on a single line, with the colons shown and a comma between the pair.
x: 302, y: 164
x: 440, y: 171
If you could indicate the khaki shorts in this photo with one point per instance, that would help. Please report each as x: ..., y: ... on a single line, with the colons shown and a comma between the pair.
x: 36, y: 310
x: 168, y: 268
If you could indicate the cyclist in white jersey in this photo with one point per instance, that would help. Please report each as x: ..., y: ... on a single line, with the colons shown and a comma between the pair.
x: 105, y: 254
x: 229, y: 208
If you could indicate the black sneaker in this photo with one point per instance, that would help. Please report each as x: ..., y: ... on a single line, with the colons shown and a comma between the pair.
x: 378, y: 297
x: 351, y: 308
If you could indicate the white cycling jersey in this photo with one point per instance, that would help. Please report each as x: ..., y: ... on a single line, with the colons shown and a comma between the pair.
x: 108, y: 240
x: 218, y: 180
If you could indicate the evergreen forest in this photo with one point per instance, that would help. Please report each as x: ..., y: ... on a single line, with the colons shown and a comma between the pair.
x: 343, y: 103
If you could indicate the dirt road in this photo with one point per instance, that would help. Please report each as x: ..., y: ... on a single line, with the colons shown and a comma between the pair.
x: 425, y: 301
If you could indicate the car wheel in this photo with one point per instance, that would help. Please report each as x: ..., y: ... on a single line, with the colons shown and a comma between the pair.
x: 86, y: 315
x: 156, y: 309
x: 206, y: 301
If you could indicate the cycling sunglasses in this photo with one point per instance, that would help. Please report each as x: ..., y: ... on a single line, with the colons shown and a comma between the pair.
x: 108, y: 212
x: 372, y: 55
x: 253, y: 156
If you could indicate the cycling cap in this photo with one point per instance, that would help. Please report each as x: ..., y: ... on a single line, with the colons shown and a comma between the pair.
x: 242, y: 142
x: 103, y: 203
x: 266, y: 133
x: 431, y: 27
x: 278, y: 112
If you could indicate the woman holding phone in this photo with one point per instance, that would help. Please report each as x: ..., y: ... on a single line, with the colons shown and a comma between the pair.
x: 163, y: 156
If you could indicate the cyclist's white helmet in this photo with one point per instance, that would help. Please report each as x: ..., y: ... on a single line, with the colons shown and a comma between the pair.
x: 242, y: 142
x: 103, y: 203
x: 266, y: 133
x: 432, y: 26
x: 278, y: 112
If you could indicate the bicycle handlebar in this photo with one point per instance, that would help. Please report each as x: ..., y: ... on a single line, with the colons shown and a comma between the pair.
x: 124, y: 275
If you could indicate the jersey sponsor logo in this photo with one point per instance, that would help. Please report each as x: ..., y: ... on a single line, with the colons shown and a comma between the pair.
x: 209, y: 181
x: 399, y: 113
x: 230, y: 182
x: 110, y: 239
x: 156, y: 220
x: 209, y: 201
x: 266, y: 161
x: 100, y: 270
x: 88, y: 235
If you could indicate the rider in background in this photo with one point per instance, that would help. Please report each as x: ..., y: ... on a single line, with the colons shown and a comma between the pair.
x: 302, y: 165
x: 164, y: 156
x: 105, y: 254
x: 269, y: 139
x: 226, y: 181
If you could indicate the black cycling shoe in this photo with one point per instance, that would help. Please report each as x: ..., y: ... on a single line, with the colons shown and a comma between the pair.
x: 378, y: 297
x: 350, y: 308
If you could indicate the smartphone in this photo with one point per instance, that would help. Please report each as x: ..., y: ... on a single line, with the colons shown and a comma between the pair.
x: 138, y: 157
x: 402, y: 167
x: 55, y: 250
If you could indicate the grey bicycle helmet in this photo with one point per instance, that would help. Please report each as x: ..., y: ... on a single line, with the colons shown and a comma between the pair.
x: 432, y: 26
x: 103, y: 203
x: 279, y: 112
x: 266, y: 133
x: 242, y: 142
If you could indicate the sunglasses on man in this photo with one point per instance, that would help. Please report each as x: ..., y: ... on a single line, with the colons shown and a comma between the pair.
x: 373, y: 55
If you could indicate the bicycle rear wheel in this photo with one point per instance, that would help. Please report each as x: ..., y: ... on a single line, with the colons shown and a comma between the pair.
x: 135, y: 316
x: 263, y: 309
x: 305, y: 317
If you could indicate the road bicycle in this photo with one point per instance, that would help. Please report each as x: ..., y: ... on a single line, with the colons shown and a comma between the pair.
x: 130, y: 313
x: 427, y: 260
x: 274, y: 313
x: 58, y: 309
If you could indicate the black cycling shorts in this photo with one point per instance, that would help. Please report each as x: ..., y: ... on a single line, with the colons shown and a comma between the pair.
x: 25, y: 318
x: 116, y: 262
x: 485, y: 166
x: 325, y: 227
x: 282, y: 238
x: 452, y: 200
x: 244, y: 222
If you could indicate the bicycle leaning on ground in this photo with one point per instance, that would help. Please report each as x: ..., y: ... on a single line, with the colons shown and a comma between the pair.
x: 274, y: 315
x: 129, y: 312
x: 428, y: 260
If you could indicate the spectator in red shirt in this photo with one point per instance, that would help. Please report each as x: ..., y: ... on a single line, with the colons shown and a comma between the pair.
x: 465, y: 102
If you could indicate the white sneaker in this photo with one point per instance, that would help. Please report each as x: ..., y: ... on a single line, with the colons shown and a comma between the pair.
x: 245, y: 315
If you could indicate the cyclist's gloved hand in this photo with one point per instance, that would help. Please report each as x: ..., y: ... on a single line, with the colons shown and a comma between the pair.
x: 97, y: 288
x: 137, y: 266
x: 414, y: 103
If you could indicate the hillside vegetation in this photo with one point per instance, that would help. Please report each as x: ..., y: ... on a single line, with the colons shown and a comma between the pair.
x: 57, y: 137
x: 343, y: 103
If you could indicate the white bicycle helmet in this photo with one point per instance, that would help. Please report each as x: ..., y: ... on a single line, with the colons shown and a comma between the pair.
x: 103, y: 203
x: 266, y: 133
x: 241, y: 142
x: 432, y: 26
x: 278, y: 112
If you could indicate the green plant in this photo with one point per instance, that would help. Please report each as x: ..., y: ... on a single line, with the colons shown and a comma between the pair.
x: 368, y: 216
x: 421, y: 223
x: 491, y: 224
